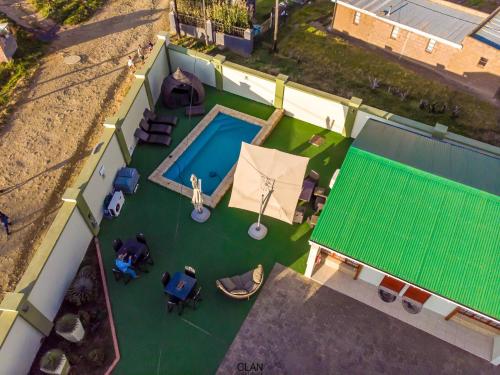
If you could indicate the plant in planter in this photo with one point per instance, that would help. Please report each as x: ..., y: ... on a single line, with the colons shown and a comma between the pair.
x: 81, y: 291
x: 54, y: 362
x: 70, y: 327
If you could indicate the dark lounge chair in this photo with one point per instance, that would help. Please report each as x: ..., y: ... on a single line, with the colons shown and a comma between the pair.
x: 155, y: 127
x: 196, y: 110
x: 159, y: 139
x: 308, y: 186
x: 150, y: 116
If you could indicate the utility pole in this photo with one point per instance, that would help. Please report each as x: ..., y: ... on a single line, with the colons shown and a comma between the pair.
x: 276, y: 21
x: 177, y: 26
x: 205, y: 22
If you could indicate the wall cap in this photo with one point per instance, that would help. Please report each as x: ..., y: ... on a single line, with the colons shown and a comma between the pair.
x: 282, y: 77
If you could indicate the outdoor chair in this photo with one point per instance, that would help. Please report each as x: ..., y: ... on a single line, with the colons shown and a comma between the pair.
x: 165, y: 278
x: 190, y: 271
x: 242, y: 286
x: 117, y: 244
x: 159, y: 139
x: 155, y: 127
x: 197, y: 110
x: 195, y: 297
x: 175, y: 302
x: 150, y: 117
x: 119, y: 275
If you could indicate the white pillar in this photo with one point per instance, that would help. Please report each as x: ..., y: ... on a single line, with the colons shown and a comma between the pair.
x: 311, y: 260
x: 495, y: 357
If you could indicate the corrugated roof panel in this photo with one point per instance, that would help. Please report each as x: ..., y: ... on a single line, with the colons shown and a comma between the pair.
x: 435, y: 233
x: 439, y: 157
x: 489, y: 33
x: 427, y: 16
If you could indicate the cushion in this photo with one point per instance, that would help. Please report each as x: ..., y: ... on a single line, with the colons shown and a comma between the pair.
x: 257, y: 275
x: 127, y: 172
x: 249, y: 285
x: 246, y: 277
x: 239, y: 292
x: 228, y: 284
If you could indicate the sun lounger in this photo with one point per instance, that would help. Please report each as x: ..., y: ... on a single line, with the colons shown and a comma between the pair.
x: 160, y: 139
x: 155, y: 127
x: 196, y: 110
x: 150, y: 117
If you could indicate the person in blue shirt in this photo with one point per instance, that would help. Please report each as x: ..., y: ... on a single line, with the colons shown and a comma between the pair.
x: 124, y: 263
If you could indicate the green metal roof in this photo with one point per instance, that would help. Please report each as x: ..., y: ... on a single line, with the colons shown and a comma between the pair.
x: 440, y: 157
x: 433, y: 232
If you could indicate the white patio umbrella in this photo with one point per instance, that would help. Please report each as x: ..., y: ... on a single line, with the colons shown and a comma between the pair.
x: 200, y: 212
x: 269, y: 182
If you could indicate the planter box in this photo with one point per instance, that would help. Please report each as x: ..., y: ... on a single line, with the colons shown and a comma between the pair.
x: 241, y: 45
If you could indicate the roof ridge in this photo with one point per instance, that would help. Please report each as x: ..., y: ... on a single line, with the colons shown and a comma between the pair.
x: 459, y: 7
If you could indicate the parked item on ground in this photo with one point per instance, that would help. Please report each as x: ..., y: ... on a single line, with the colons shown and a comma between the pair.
x: 127, y: 180
x: 113, y: 204
x: 159, y: 139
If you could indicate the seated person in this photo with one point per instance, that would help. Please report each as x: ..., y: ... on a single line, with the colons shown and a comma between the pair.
x: 124, y: 263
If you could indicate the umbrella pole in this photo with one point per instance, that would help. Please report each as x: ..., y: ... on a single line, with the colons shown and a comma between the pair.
x: 260, y: 212
x: 257, y: 230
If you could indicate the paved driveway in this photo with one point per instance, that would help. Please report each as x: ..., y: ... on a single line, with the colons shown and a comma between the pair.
x: 299, y: 327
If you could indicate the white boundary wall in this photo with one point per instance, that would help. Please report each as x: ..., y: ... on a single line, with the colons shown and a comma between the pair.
x: 60, y: 269
x: 200, y: 67
x: 19, y: 348
x: 157, y: 73
x: 315, y: 109
x: 439, y: 305
x: 248, y: 85
x: 99, y: 185
x: 133, y: 117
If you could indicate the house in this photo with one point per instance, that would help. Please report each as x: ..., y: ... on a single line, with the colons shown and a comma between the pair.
x: 435, y: 33
x: 8, y: 45
x: 417, y: 219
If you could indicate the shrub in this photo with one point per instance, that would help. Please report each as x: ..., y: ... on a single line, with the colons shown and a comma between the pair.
x: 96, y: 357
x: 87, y: 271
x: 81, y: 291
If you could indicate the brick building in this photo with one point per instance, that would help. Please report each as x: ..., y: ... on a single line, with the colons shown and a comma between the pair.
x: 435, y: 33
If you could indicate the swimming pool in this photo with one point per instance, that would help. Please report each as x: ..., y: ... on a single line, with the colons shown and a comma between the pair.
x: 214, y: 152
x: 211, y: 150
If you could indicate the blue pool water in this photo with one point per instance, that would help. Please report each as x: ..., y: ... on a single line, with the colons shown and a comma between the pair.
x: 213, y: 153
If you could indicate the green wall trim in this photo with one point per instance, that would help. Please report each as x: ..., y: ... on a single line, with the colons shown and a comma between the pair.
x: 43, y: 252
x: 279, y: 93
x: 129, y: 99
x: 75, y: 195
x: 352, y: 112
x: 199, y: 55
x: 217, y: 62
x: 19, y: 302
x: 7, y: 320
x: 245, y: 69
x: 150, y: 61
x: 322, y: 94
x: 176, y: 48
x: 142, y: 75
x: 97, y: 153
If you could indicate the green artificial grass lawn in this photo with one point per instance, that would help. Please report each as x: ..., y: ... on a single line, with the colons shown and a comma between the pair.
x: 153, y: 341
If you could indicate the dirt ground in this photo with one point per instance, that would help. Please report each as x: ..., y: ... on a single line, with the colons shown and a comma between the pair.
x: 58, y: 120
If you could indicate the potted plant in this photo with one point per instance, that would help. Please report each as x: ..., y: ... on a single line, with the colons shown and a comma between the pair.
x: 81, y: 291
x: 54, y: 362
x: 70, y: 327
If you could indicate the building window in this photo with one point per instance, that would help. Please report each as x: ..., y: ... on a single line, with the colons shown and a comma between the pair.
x: 357, y: 18
x: 395, y: 32
x: 430, y: 45
x: 482, y: 62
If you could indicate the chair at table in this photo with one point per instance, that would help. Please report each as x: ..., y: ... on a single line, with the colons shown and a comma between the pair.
x: 141, y: 238
x: 194, y: 297
x: 119, y: 275
x: 190, y: 271
x: 117, y: 244
x: 173, y: 302
x: 165, y: 278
